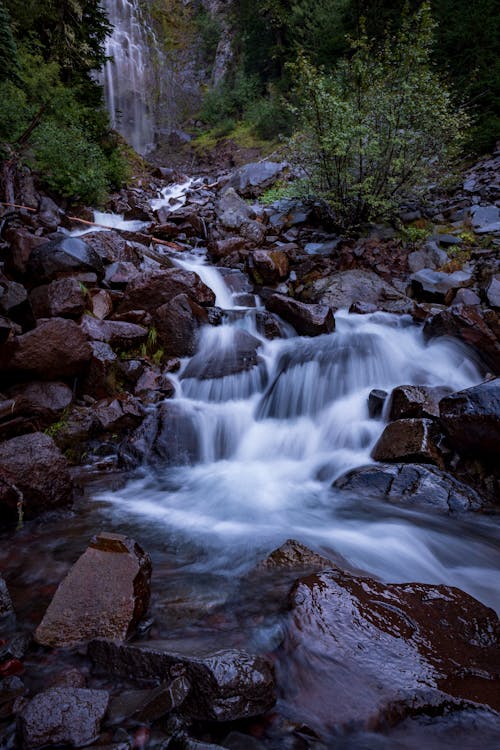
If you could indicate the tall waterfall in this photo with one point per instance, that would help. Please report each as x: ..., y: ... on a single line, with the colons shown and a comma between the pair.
x: 130, y: 77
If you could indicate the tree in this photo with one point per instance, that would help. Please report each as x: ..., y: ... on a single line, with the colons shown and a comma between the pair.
x: 379, y: 126
x: 9, y: 63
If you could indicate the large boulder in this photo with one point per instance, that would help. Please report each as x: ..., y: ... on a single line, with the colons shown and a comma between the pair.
x: 63, y: 257
x: 14, y: 303
x: 226, y: 684
x: 475, y: 327
x: 407, y: 401
x: 241, y: 355
x: 177, y: 323
x: 62, y: 717
x: 471, y: 419
x: 435, y: 286
x: 56, y: 348
x: 340, y: 290
x: 38, y: 472
x: 62, y: 298
x: 268, y: 266
x: 34, y: 404
x: 234, y: 214
x: 365, y: 654
x: 104, y: 595
x: 151, y: 289
x: 22, y: 243
x: 415, y: 440
x: 252, y: 179
x: 308, y: 320
x: 410, y: 484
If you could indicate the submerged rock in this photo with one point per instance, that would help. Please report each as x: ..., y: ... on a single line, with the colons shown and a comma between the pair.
x: 62, y: 716
x: 410, y: 484
x: 226, y: 685
x: 104, y: 595
x: 366, y: 654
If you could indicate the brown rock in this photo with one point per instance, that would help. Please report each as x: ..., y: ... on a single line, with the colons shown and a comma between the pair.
x: 113, y: 332
x: 101, y: 304
x: 471, y: 419
x: 363, y: 654
x: 151, y: 289
x: 22, y: 243
x: 308, y: 320
x: 104, y: 595
x: 268, y: 266
x: 227, y: 246
x: 415, y: 401
x: 34, y: 404
x: 63, y: 298
x: 177, y: 323
x: 35, y: 467
x: 412, y: 440
x: 56, y: 348
x: 292, y: 555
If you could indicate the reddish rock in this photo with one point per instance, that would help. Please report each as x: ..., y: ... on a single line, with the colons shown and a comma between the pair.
x: 34, y: 404
x: 22, y: 243
x: 292, y: 555
x: 34, y: 466
x: 119, y: 413
x: 62, y: 716
x: 151, y: 289
x: 111, y: 247
x: 227, y: 246
x: 104, y: 595
x: 56, y: 348
x: 63, y: 298
x: 340, y: 290
x: 101, y: 304
x: 113, y: 332
x: 471, y: 419
x: 365, y: 654
x: 408, y: 401
x: 413, y: 440
x: 177, y: 323
x: 121, y: 273
x: 308, y: 320
x: 268, y: 266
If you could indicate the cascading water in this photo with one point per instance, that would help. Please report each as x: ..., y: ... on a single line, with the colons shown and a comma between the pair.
x: 251, y: 450
x: 129, y: 77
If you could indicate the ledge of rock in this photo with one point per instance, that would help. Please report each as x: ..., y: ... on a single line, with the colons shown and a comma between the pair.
x: 104, y: 595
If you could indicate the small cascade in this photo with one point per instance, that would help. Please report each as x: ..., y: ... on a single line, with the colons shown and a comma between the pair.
x: 131, y: 86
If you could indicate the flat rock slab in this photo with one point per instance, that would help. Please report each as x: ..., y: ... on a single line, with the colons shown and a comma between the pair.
x: 104, y: 595
x: 62, y: 716
x: 360, y: 653
x: 226, y: 684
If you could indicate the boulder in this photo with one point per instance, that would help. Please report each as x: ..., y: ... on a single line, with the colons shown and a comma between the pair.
x: 340, y: 290
x: 428, y: 256
x: 104, y: 595
x: 14, y: 303
x: 121, y: 273
x: 177, y: 323
x: 477, y: 328
x: 485, y: 219
x: 409, y: 401
x: 435, y: 286
x: 62, y: 716
x: 5, y: 600
x: 292, y: 555
x: 240, y: 356
x: 412, y: 440
x: 252, y: 179
x: 376, y: 402
x: 151, y: 289
x: 493, y: 291
x: 119, y: 414
x: 222, y: 248
x: 113, y: 332
x: 63, y: 257
x: 101, y: 304
x: 63, y: 298
x: 471, y: 419
x: 38, y: 403
x: 234, y: 214
x: 35, y: 467
x: 111, y: 247
x: 56, y: 348
x: 410, y: 484
x: 226, y: 684
x: 22, y: 243
x: 363, y: 654
x: 268, y: 266
x: 308, y: 320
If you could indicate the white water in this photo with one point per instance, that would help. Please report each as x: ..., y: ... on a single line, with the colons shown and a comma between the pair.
x: 252, y: 455
x: 173, y: 196
x: 108, y: 221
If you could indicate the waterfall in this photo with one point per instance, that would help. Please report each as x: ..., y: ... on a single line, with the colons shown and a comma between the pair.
x: 130, y: 77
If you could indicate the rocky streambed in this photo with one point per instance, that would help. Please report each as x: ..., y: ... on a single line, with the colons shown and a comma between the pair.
x: 195, y: 390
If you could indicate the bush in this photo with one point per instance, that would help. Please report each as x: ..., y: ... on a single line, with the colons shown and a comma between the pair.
x: 269, y: 118
x: 379, y: 126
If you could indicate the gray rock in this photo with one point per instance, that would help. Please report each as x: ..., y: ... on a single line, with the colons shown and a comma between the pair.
x: 428, y: 256
x: 485, y: 219
x: 435, y: 286
x: 493, y: 291
x: 62, y: 716
x: 340, y: 290
x: 62, y: 257
x: 252, y: 179
x: 471, y: 419
x: 410, y: 484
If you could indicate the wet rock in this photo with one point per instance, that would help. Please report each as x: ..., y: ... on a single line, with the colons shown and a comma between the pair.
x: 410, y: 484
x: 150, y: 705
x: 121, y: 273
x: 428, y: 256
x: 154, y: 381
x: 100, y: 378
x: 365, y: 654
x: 113, y: 332
x: 8, y: 329
x: 36, y: 404
x: 62, y: 716
x: 111, y: 247
x: 239, y: 356
x: 435, y: 286
x: 292, y: 555
x: 414, y: 440
x: 22, y: 243
x: 268, y: 266
x: 62, y: 257
x: 101, y: 304
x: 6, y: 607
x: 104, y: 595
x: 308, y: 320
x: 228, y: 246
x: 56, y: 348
x: 471, y: 419
x: 268, y: 325
x: 14, y: 303
x: 409, y: 401
x: 49, y: 213
x: 252, y: 179
x: 234, y: 214
x: 151, y: 289
x: 63, y: 298
x: 362, y: 308
x: 119, y: 413
x: 77, y: 428
x: 35, y: 467
x: 226, y: 685
x: 478, y: 328
x: 340, y: 290
x: 177, y: 323
x: 376, y: 402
